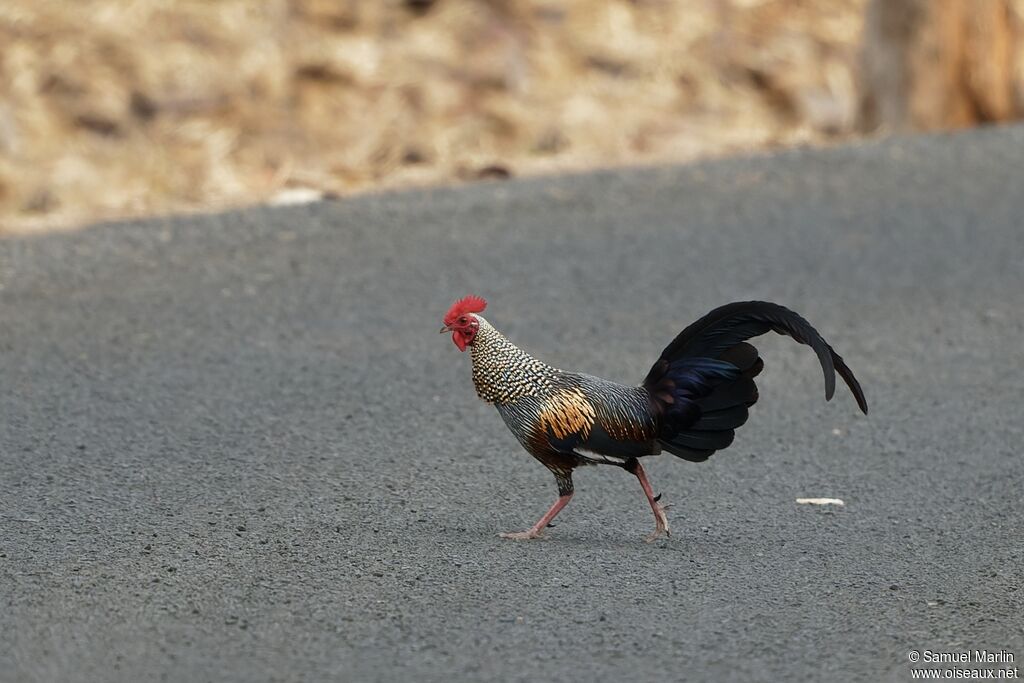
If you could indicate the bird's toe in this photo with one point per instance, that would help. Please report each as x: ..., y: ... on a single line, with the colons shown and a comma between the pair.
x: 656, y: 534
x: 520, y: 535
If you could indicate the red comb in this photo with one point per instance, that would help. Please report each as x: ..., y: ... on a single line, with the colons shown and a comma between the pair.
x: 467, y: 304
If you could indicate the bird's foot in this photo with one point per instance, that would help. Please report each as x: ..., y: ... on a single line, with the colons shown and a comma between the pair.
x: 521, y: 535
x: 661, y: 526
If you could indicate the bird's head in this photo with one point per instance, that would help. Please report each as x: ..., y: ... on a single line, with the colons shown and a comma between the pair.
x: 460, y: 321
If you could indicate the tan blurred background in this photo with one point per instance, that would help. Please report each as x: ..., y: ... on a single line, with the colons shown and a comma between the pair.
x: 118, y: 108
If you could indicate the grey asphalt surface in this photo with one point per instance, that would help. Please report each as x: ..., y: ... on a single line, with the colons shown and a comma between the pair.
x: 234, y: 447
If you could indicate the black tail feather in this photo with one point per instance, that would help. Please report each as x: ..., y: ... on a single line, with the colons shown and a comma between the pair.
x: 720, y: 420
x: 714, y: 403
x: 722, y: 329
x: 741, y: 392
x: 713, y: 441
x: 689, y: 454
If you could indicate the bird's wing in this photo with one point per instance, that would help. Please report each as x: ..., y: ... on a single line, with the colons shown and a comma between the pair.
x: 599, y: 421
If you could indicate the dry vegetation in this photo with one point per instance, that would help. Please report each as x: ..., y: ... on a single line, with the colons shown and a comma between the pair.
x: 113, y: 108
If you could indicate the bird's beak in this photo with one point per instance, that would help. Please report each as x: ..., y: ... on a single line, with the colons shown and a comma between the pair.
x: 446, y: 328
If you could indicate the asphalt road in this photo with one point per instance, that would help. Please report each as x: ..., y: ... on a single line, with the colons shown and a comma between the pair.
x: 234, y: 447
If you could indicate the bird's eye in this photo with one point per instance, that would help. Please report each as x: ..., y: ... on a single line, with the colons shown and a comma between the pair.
x: 462, y: 320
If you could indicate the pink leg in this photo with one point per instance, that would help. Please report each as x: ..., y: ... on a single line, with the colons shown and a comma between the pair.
x: 661, y: 520
x: 534, y: 531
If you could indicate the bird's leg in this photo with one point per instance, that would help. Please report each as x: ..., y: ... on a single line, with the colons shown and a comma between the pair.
x: 634, y: 467
x: 565, y: 491
x: 534, y: 531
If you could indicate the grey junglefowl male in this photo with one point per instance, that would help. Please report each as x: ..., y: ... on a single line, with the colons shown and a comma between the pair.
x: 690, y: 404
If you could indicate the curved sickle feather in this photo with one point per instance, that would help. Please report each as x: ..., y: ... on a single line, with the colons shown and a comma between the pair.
x: 728, y: 325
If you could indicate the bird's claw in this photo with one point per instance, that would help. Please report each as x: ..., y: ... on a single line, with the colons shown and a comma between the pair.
x: 661, y: 524
x: 658, y: 531
x: 656, y: 534
x: 521, y: 535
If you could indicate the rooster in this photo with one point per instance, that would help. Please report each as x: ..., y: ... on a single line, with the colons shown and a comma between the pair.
x: 690, y: 404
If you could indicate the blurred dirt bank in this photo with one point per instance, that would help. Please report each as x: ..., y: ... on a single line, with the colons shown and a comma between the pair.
x: 115, y: 108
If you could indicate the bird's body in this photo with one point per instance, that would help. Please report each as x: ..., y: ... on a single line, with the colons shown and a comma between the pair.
x: 694, y: 397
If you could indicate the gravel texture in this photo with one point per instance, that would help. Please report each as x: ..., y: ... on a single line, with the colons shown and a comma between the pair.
x: 234, y: 447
